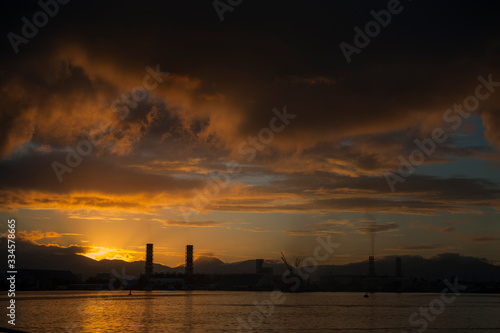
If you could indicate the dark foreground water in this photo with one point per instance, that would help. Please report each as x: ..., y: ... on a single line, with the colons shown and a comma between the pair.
x: 214, y: 311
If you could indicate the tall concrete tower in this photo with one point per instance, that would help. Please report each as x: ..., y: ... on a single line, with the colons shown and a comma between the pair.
x: 189, y: 260
x: 149, y: 262
x: 371, y: 266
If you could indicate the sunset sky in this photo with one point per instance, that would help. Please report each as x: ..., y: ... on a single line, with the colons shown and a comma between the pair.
x: 207, y: 127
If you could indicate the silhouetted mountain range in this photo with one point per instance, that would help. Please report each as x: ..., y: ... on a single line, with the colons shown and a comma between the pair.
x: 34, y: 256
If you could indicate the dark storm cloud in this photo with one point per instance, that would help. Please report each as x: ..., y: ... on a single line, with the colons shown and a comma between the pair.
x: 434, y: 187
x: 344, y: 226
x: 480, y: 239
x: 425, y: 60
x: 93, y: 175
x: 377, y: 228
x: 325, y: 192
x: 226, y: 78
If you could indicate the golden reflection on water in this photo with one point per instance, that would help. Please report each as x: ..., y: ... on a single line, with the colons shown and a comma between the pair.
x: 204, y: 311
x: 188, y: 311
x: 113, y: 312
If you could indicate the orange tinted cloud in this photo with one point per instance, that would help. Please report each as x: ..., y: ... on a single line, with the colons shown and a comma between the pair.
x: 35, y: 235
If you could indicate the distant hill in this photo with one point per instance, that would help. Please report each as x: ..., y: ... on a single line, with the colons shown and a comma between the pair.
x: 441, y: 266
x: 34, y: 256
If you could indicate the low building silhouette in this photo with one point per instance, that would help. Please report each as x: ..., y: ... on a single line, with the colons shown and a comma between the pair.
x: 44, y: 279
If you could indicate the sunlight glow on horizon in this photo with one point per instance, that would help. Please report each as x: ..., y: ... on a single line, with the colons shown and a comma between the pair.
x: 101, y: 253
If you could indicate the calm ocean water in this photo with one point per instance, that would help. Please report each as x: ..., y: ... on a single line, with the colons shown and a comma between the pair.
x: 214, y: 311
